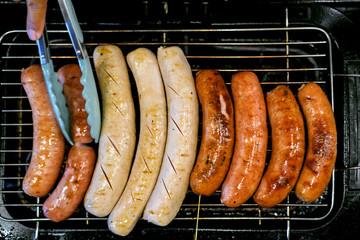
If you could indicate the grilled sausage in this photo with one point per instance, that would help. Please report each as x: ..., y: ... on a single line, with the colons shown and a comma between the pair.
x: 48, y: 141
x: 118, y: 132
x: 69, y: 77
x: 248, y: 162
x: 217, y: 140
x: 180, y: 150
x: 151, y: 145
x: 288, y: 148
x: 322, y: 143
x: 71, y: 189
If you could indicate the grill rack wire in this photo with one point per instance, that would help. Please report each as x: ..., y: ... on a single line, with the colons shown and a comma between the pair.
x: 277, y: 58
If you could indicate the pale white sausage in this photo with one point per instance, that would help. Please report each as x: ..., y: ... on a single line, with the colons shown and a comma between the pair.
x: 118, y: 132
x: 180, y: 151
x: 152, y: 138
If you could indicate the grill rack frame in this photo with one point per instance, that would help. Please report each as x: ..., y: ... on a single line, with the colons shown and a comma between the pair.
x: 287, y: 69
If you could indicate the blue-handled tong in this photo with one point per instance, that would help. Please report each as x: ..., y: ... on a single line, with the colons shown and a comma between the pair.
x: 54, y: 87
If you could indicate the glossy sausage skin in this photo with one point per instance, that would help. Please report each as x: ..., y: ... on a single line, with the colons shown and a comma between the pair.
x: 182, y: 135
x: 72, y: 187
x: 69, y: 77
x: 48, y: 141
x: 217, y: 140
x: 118, y: 131
x: 150, y: 148
x: 322, y: 143
x: 248, y: 162
x: 288, y: 148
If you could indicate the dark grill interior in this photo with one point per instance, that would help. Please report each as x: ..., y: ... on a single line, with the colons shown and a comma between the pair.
x: 286, y: 47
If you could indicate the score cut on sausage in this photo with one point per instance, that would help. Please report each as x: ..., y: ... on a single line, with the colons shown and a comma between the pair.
x: 248, y: 162
x: 217, y: 140
x: 118, y: 132
x: 48, y: 141
x: 181, y: 143
x: 322, y: 143
x: 288, y: 148
x: 151, y: 145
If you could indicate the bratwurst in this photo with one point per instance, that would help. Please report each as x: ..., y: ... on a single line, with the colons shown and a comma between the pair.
x: 288, y: 148
x: 248, y: 162
x: 322, y: 142
x: 118, y: 132
x: 217, y: 140
x: 151, y: 145
x: 48, y: 140
x: 71, y: 189
x: 69, y: 77
x: 181, y: 143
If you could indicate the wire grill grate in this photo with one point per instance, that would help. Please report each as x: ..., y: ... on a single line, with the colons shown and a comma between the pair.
x: 289, y: 55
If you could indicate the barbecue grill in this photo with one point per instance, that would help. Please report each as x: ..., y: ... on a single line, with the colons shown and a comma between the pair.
x: 290, y: 44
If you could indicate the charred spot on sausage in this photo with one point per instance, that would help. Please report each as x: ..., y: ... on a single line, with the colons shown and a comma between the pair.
x: 311, y: 165
x: 282, y: 182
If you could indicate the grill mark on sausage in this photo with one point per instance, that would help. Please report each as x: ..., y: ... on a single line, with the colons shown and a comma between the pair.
x: 173, y: 90
x: 117, y: 107
x: 177, y: 126
x: 165, y: 187
x: 106, y: 177
x: 111, y: 77
x: 147, y: 166
x: 113, y: 144
x: 168, y: 157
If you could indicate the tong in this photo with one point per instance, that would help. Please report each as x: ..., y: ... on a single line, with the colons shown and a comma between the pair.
x: 54, y: 87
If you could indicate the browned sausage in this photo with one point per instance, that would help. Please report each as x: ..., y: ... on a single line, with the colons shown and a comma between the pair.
x: 48, y: 141
x: 72, y: 187
x: 322, y: 143
x: 217, y: 140
x: 288, y: 147
x: 248, y: 162
x: 69, y: 76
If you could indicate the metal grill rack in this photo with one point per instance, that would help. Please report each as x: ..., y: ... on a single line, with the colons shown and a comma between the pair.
x: 278, y: 55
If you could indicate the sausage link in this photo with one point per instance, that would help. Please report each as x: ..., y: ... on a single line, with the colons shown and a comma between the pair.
x: 151, y: 145
x: 181, y: 143
x: 69, y: 77
x: 217, y: 133
x: 248, y: 162
x: 118, y: 132
x: 322, y: 143
x: 72, y: 187
x: 288, y: 148
x: 48, y: 141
